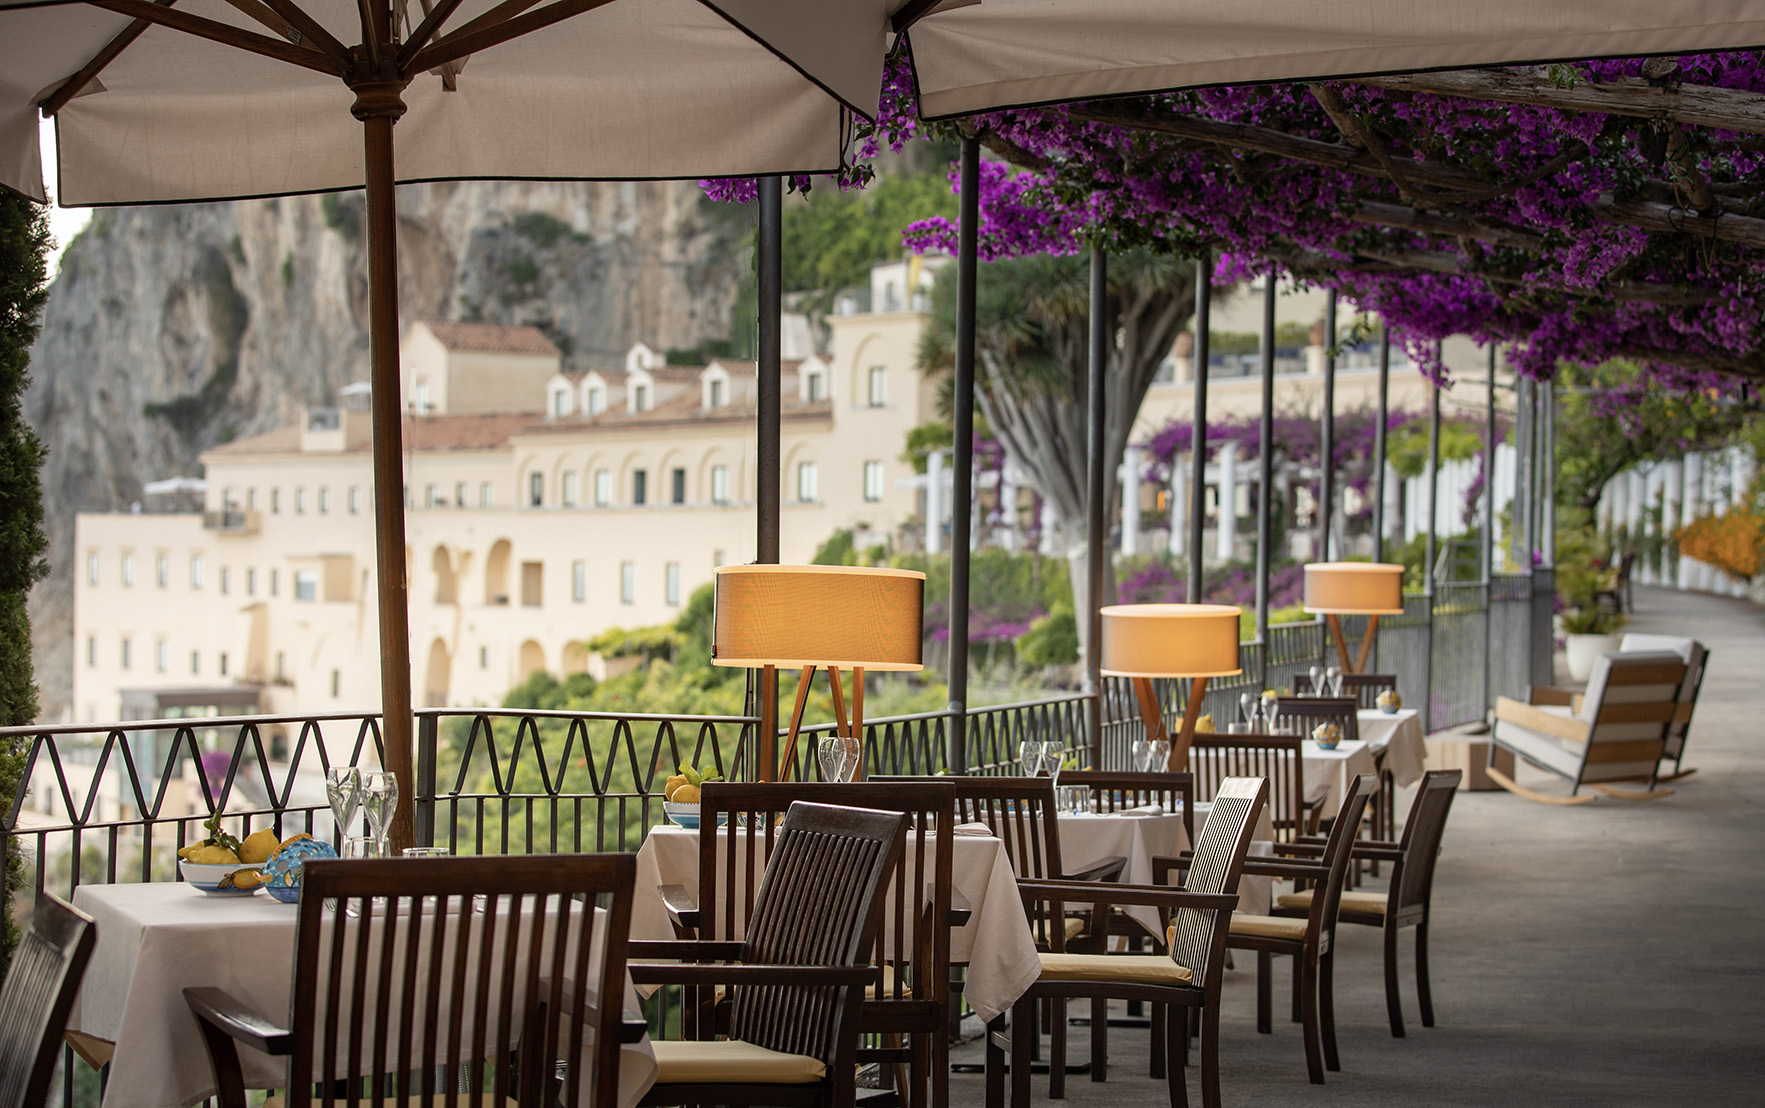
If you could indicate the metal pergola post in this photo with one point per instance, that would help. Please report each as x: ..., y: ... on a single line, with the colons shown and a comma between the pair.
x: 1379, y: 442
x: 956, y: 757
x: 1547, y: 475
x: 1265, y: 491
x: 1487, y: 546
x: 1198, y: 426
x: 767, y: 450
x: 1431, y: 546
x: 1327, y: 435
x: 1521, y: 509
x: 1097, y: 561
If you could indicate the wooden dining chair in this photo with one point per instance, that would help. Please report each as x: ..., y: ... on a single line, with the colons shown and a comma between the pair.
x: 37, y: 996
x: 1362, y: 688
x: 913, y: 948
x: 1408, y: 901
x: 1299, y: 715
x: 1307, y: 939
x: 797, y: 979
x: 417, y: 973
x: 1217, y: 758
x: 1188, y: 977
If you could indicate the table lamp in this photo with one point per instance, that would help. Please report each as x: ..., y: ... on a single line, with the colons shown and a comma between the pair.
x: 830, y: 617
x: 1197, y: 641
x: 1335, y: 589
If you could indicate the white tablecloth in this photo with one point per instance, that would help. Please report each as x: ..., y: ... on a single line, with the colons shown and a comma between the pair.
x: 1088, y: 838
x: 1328, y: 772
x: 156, y: 940
x: 996, y: 942
x: 1400, y: 737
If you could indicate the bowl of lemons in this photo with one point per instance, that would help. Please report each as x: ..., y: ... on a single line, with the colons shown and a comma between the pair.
x: 681, y: 797
x: 221, y: 865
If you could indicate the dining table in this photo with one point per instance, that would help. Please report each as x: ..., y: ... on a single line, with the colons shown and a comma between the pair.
x: 1398, y: 736
x: 157, y: 939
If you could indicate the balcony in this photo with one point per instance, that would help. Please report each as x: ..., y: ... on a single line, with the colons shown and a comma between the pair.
x: 232, y: 521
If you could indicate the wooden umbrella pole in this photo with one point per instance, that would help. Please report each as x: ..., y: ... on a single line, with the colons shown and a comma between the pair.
x: 378, y: 105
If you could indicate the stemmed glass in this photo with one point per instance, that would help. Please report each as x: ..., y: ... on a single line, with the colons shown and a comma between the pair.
x: 1317, y: 681
x: 1334, y: 676
x: 1247, y: 706
x: 343, y: 788
x: 837, y: 757
x: 379, y: 801
x: 1270, y: 709
x: 1054, y: 759
x: 1029, y: 757
x: 1150, y: 755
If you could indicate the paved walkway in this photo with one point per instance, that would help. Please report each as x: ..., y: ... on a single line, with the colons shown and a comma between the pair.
x: 1610, y: 954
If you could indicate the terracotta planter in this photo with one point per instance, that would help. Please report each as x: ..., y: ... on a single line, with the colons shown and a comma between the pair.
x: 1584, y: 650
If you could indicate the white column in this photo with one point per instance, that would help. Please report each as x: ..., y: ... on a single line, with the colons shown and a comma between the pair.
x: 1693, y: 501
x: 1008, y: 508
x: 1179, y: 543
x: 1130, y: 483
x: 1047, y: 546
x: 1226, y: 537
x: 934, y: 502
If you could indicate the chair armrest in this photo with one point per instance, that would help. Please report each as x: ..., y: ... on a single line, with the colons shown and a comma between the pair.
x: 680, y: 973
x: 682, y: 909
x: 1107, y: 869
x: 1545, y: 694
x: 689, y: 950
x: 1376, y: 852
x: 960, y: 909
x: 1299, y: 871
x: 1301, y: 849
x: 1162, y: 866
x: 1109, y: 895
x: 218, y: 1009
x: 1536, y: 719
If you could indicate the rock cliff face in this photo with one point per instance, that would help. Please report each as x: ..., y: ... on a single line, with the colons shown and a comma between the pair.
x: 172, y: 329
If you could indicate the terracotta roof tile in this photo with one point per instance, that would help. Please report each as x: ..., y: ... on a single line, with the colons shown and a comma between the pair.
x: 283, y: 440
x: 493, y: 338
x: 468, y: 431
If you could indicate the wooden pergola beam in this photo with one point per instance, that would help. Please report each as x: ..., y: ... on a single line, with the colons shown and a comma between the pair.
x: 1698, y: 105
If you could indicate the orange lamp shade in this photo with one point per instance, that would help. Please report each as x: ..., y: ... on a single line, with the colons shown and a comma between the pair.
x: 793, y: 616
x: 1170, y: 640
x: 1354, y: 588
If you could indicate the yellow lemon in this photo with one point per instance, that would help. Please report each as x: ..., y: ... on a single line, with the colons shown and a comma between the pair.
x: 1204, y: 724
x: 673, y: 785
x: 247, y: 879
x: 258, y: 846
x: 212, y: 856
x: 686, y: 794
x: 184, y: 852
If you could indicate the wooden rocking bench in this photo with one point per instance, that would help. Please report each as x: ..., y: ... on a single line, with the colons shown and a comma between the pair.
x: 1615, y: 732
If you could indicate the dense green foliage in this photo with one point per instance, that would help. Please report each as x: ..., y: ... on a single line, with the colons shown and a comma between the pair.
x: 832, y: 238
x: 24, y: 251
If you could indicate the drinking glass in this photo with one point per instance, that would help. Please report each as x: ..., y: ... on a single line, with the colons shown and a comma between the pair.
x: 1161, y: 752
x: 379, y: 801
x: 343, y: 788
x: 1317, y: 681
x: 1247, y: 705
x: 1029, y: 757
x: 1054, y: 758
x: 360, y: 846
x: 837, y: 758
x: 1142, y: 753
x: 1334, y: 676
x: 1270, y: 710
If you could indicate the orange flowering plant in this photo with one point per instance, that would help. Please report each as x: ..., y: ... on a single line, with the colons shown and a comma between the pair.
x: 1733, y: 542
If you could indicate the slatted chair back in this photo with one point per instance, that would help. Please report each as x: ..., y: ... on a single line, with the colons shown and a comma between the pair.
x: 422, y: 973
x: 820, y: 904
x: 1198, y: 936
x: 1109, y: 791
x: 915, y: 943
x: 1413, y: 882
x: 38, y: 993
x: 1338, y: 850
x: 1696, y: 657
x: 1631, y: 701
x: 1299, y: 715
x: 1215, y: 758
x: 1364, y: 688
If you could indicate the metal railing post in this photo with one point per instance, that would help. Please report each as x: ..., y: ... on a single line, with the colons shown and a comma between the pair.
x: 428, y: 738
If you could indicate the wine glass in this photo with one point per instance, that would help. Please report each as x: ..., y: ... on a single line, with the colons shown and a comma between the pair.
x: 343, y: 788
x: 1270, y: 709
x: 1334, y: 676
x: 834, y: 752
x: 379, y: 801
x: 1054, y: 758
x: 1161, y: 752
x: 1247, y: 706
x: 1029, y: 756
x: 1142, y: 753
x: 1317, y: 681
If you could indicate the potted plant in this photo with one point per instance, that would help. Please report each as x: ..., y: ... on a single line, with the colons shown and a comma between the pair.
x: 1585, y: 568
x: 1588, y: 632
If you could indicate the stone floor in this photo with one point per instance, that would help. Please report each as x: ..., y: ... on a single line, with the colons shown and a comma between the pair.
x: 1609, y: 954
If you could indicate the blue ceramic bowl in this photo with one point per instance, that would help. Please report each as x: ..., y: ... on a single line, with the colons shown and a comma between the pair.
x: 215, y: 880
x: 687, y: 815
x: 282, y: 871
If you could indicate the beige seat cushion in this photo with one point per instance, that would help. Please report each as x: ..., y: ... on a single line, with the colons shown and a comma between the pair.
x: 1145, y: 969
x: 732, y: 1061
x: 1073, y: 926
x: 889, y: 974
x: 483, y: 1100
x: 1364, y: 903
x: 1268, y: 927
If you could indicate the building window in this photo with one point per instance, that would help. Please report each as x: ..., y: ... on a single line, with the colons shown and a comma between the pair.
x: 640, y: 398
x: 677, y: 485
x: 817, y: 387
x: 226, y: 580
x: 336, y: 683
x: 459, y: 494
x: 275, y: 502
x: 251, y: 500
x: 873, y: 481
x: 568, y: 496
x: 250, y: 582
x: 306, y: 584
x: 196, y: 571
x: 877, y: 386
x: 125, y: 654
x: 300, y: 501
x: 220, y: 663
x: 128, y: 569
x: 579, y: 581
x: 640, y: 486
x: 420, y: 398
x: 162, y: 570
x: 92, y: 568
x: 597, y: 400
x: 716, y: 558
x: 808, y: 482
x: 195, y: 662
x: 275, y: 580
x: 91, y: 650
x: 324, y: 500
x: 532, y: 584
x: 716, y: 394
x: 560, y: 403
x: 281, y: 666
x: 671, y: 586
x: 535, y: 489
x: 487, y: 495
x: 719, y: 484
x: 355, y: 500
x: 628, y: 582
x: 484, y: 657
x: 603, y: 487
x: 162, y: 655
x: 432, y: 496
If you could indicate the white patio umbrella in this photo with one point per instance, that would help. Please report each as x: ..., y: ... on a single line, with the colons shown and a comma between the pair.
x: 180, y: 100
x: 975, y: 56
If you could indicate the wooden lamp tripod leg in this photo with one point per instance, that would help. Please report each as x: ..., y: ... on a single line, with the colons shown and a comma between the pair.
x: 788, y: 763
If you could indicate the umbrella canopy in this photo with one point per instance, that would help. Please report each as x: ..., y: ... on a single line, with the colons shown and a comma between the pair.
x: 250, y: 98
x: 971, y: 57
